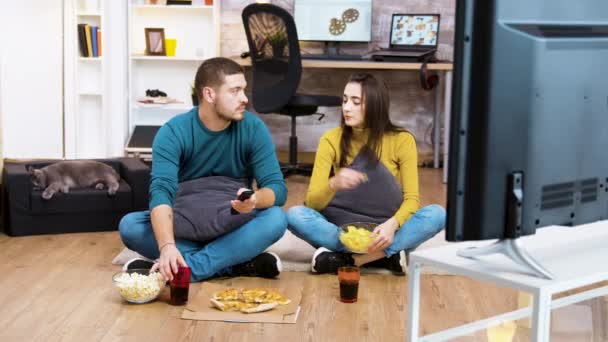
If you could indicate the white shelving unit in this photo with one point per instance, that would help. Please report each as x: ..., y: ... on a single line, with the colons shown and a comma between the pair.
x: 196, y: 29
x: 95, y: 104
x: 88, y: 13
x: 174, y: 7
x: 84, y: 117
x: 174, y: 59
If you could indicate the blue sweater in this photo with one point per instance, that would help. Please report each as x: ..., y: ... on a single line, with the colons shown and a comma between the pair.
x: 185, y: 149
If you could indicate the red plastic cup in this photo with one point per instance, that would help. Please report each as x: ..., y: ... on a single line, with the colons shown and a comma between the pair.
x: 180, y: 286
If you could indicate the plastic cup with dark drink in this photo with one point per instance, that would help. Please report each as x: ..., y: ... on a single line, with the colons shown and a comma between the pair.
x: 180, y: 286
x: 348, y: 276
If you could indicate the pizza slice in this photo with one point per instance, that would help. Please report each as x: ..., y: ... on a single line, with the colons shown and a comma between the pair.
x: 248, y: 300
x: 250, y: 295
x: 272, y: 296
x: 236, y: 305
x: 226, y: 294
x: 260, y: 308
x: 232, y: 305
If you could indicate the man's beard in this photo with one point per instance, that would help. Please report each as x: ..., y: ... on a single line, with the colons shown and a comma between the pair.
x: 227, y: 117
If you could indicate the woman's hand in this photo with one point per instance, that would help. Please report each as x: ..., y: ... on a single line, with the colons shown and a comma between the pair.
x: 347, y: 179
x: 385, y: 235
x: 246, y: 206
x: 169, y: 261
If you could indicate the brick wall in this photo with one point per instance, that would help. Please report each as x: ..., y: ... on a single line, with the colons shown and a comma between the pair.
x: 411, y: 107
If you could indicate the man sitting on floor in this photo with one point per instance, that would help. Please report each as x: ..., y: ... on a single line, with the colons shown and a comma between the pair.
x: 218, y: 138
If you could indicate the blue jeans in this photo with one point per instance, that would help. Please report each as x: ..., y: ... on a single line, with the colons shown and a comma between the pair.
x: 210, y: 258
x: 309, y: 225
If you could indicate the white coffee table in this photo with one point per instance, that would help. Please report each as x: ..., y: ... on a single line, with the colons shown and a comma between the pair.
x: 577, y: 256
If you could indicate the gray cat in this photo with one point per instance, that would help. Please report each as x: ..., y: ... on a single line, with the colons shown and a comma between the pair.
x: 64, y: 175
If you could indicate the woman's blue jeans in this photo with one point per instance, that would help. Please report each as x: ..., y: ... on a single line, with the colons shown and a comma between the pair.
x: 309, y: 225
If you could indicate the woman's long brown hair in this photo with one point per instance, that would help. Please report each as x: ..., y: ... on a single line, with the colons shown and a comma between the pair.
x: 376, y: 103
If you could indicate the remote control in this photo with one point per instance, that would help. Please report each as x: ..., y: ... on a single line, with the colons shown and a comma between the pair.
x: 243, y: 196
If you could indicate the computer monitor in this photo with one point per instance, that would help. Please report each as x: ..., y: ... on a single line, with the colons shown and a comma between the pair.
x: 333, y: 21
x: 414, y: 30
x: 529, y: 125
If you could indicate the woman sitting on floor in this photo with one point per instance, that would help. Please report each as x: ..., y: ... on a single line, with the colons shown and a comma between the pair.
x: 366, y: 170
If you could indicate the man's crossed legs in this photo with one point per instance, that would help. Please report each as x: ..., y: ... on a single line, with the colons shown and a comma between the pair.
x: 237, y: 253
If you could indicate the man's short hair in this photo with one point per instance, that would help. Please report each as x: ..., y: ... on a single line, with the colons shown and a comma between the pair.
x: 213, y: 71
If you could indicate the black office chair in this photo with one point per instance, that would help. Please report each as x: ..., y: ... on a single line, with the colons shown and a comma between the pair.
x: 277, y: 68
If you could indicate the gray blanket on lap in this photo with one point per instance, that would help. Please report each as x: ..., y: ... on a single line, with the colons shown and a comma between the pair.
x: 201, y: 211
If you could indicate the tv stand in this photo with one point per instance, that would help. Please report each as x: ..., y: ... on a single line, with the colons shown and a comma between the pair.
x: 509, y: 245
x: 512, y: 249
x: 576, y: 255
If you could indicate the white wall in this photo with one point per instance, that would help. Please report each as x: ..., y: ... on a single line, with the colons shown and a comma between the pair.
x: 115, y: 77
x: 31, y: 78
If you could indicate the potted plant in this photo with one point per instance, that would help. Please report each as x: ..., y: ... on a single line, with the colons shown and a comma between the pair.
x: 194, y: 95
x: 278, y: 41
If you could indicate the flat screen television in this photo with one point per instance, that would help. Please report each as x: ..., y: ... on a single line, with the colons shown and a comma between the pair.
x: 529, y: 127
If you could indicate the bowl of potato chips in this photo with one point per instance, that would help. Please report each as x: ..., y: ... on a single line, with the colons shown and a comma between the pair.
x: 357, y: 236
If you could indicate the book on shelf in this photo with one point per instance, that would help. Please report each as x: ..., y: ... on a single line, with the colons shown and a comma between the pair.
x: 87, y: 31
x: 82, y: 40
x: 89, y: 40
x: 94, y: 40
x: 99, y: 42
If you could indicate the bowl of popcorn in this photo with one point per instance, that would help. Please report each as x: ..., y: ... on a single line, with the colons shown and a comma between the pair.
x: 357, y: 236
x: 139, y: 285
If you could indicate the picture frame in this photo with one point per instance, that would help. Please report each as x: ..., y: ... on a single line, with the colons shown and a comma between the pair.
x: 155, y: 42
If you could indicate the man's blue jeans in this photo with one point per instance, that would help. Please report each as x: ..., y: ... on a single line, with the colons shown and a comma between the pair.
x: 211, y: 258
x: 309, y: 225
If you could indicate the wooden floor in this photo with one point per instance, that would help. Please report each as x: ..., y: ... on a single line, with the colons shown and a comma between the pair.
x: 59, y: 288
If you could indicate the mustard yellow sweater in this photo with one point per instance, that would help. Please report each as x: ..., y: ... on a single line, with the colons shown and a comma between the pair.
x: 398, y: 154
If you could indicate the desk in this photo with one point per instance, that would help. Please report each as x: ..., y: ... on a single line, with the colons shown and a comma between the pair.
x: 576, y: 256
x: 445, y: 68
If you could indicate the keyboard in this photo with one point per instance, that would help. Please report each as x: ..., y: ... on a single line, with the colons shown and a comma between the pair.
x: 332, y: 57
